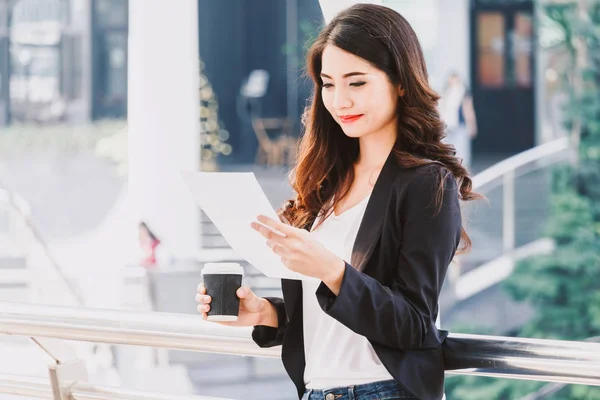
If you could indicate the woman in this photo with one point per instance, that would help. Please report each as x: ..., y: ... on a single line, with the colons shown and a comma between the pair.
x: 148, y: 243
x: 456, y: 109
x: 376, y: 221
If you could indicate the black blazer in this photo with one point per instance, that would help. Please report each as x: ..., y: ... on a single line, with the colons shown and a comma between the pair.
x: 389, y: 293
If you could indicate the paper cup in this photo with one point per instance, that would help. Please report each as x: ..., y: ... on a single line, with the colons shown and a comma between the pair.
x: 222, y: 280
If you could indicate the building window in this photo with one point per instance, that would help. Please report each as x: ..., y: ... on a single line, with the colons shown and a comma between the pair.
x: 111, y: 13
x: 522, y: 38
x: 490, y: 51
x: 110, y: 58
x: 36, y: 90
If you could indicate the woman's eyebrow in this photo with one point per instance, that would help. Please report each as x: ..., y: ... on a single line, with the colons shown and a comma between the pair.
x: 345, y: 75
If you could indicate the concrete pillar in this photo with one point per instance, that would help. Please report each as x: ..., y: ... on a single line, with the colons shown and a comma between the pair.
x: 331, y: 8
x: 441, y: 25
x: 163, y: 116
x: 452, y: 50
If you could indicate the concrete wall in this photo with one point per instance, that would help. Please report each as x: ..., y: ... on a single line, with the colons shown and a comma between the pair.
x: 453, y: 42
x: 443, y: 30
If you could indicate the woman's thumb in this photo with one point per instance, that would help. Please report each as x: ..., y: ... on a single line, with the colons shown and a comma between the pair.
x: 246, y: 295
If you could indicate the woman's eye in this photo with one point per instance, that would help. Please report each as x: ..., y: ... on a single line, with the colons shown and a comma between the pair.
x: 327, y: 85
x: 357, y: 84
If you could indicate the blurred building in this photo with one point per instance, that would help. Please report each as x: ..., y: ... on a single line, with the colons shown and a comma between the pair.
x: 503, y: 74
x: 62, y: 60
x: 241, y: 36
x: 492, y: 45
x: 66, y: 60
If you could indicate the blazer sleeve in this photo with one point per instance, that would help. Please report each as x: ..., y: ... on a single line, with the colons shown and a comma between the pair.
x: 400, y: 314
x: 267, y: 336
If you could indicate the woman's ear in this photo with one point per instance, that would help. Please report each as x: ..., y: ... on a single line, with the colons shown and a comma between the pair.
x: 400, y: 91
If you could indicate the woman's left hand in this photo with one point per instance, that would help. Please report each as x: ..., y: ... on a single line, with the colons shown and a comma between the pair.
x: 301, y: 253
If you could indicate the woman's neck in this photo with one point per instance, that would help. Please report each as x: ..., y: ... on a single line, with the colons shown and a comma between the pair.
x: 374, y: 150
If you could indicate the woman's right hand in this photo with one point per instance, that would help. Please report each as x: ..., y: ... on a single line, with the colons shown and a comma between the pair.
x: 252, y: 308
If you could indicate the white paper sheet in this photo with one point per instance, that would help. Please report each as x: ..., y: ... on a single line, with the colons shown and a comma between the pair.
x: 232, y: 200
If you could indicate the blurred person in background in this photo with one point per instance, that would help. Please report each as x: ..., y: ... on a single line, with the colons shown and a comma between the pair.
x: 376, y: 220
x: 148, y: 243
x: 456, y: 109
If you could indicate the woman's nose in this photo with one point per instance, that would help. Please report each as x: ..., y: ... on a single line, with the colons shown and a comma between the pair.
x: 341, y: 99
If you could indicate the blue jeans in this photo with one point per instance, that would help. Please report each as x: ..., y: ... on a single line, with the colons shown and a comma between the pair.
x: 384, y: 390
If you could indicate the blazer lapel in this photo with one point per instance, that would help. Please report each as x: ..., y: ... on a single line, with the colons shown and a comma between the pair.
x: 371, y: 226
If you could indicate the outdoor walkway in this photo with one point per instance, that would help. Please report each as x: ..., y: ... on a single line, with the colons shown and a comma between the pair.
x: 82, y: 249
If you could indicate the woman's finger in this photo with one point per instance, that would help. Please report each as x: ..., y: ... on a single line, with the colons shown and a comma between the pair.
x: 288, y: 264
x: 287, y: 230
x: 201, y: 298
x: 201, y: 288
x: 278, y: 249
x: 203, y: 308
x: 267, y: 233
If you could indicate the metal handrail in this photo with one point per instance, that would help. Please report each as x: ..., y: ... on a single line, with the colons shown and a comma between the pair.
x: 25, y: 386
x: 554, y: 387
x: 505, y: 173
x: 520, y: 160
x: 91, y: 392
x: 40, y: 388
x: 166, y: 330
x: 495, y: 271
x: 517, y: 358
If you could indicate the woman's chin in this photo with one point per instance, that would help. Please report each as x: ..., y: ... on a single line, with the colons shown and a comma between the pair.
x: 351, y: 133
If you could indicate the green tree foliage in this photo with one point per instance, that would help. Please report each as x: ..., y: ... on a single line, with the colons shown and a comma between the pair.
x: 564, y: 286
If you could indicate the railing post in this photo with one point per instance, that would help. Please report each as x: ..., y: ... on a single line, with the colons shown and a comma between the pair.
x: 508, y: 212
x: 64, y: 376
x: 66, y: 370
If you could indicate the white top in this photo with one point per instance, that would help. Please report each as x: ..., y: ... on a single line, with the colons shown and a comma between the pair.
x: 449, y: 105
x: 335, y: 355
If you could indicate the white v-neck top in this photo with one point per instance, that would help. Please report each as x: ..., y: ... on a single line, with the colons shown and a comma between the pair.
x: 335, y: 355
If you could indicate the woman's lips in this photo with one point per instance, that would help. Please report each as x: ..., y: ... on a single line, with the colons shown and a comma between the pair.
x: 346, y: 119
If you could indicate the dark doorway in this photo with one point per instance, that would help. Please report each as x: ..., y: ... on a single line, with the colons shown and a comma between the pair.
x: 503, y: 65
x: 109, y: 58
x: 239, y: 36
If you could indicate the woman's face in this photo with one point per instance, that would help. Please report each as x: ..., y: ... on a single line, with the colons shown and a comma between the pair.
x: 359, y: 97
x: 143, y: 235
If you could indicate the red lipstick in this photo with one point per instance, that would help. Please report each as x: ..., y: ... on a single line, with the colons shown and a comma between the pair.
x: 350, y: 118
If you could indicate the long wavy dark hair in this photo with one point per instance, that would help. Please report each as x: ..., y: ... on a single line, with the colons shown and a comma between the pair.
x: 324, y: 168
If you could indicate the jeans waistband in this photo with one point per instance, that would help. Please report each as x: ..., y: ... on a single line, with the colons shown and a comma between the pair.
x: 389, y: 387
